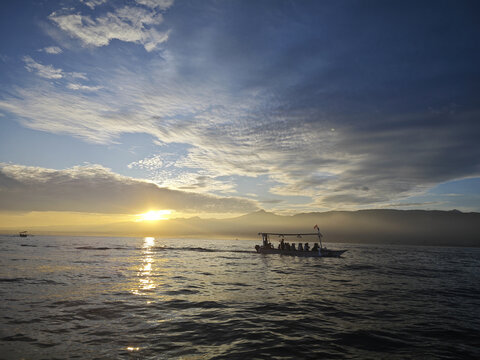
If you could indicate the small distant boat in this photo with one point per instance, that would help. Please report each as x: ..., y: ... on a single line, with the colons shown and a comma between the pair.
x: 296, y: 250
x: 23, y: 233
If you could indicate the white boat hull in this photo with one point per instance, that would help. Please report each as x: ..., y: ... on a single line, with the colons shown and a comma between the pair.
x: 321, y: 253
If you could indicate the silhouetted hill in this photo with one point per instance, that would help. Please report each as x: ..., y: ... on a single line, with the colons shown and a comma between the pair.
x: 414, y: 227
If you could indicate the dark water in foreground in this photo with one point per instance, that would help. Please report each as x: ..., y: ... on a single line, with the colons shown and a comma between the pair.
x: 123, y: 298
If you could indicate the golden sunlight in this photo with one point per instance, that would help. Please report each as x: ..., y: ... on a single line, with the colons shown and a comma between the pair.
x: 154, y: 215
x: 148, y: 242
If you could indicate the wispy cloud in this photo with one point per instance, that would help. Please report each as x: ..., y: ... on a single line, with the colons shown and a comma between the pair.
x: 95, y: 121
x: 269, y: 94
x: 54, y: 50
x: 77, y: 75
x: 154, y: 4
x: 80, y: 87
x: 96, y: 189
x: 240, y: 135
x: 92, y: 4
x: 49, y: 71
x: 45, y: 71
x: 130, y: 24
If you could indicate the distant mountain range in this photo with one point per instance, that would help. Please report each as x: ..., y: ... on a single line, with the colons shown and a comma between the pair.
x: 413, y: 227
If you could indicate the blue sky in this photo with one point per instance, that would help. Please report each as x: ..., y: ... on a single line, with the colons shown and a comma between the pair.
x: 234, y: 106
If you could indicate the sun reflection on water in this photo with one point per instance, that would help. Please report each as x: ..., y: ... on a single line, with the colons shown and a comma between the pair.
x: 148, y: 242
x: 145, y: 272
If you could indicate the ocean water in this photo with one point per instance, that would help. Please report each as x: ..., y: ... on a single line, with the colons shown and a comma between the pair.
x: 146, y: 298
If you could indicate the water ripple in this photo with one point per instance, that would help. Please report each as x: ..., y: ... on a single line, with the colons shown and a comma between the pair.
x: 183, y: 299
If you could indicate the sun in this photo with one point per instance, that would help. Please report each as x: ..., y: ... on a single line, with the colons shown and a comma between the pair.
x: 154, y: 215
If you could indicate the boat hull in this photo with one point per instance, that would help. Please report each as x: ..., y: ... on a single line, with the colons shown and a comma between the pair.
x: 322, y: 253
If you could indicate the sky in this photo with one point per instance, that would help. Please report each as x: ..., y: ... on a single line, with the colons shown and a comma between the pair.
x: 219, y: 108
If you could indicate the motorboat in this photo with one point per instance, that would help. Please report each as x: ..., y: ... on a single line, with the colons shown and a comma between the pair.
x: 299, y: 249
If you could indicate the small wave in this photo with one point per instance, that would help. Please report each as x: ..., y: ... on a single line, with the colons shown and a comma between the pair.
x: 181, y: 292
x: 102, y: 333
x: 47, y: 281
x: 46, y: 345
x: 274, y: 308
x: 12, y: 279
x: 184, y: 304
x: 31, y: 281
x: 26, y: 321
x: 70, y: 303
x: 239, y: 284
x: 18, y: 337
x: 93, y: 248
x: 200, y: 249
x: 229, y: 258
x: 99, y: 313
x: 359, y: 267
x: 370, y: 340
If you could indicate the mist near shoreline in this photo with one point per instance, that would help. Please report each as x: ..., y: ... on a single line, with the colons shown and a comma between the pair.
x: 408, y: 227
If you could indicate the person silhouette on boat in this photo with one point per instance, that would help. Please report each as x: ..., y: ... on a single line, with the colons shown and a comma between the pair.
x: 315, y: 247
x: 300, y: 247
x: 306, y: 247
x: 293, y: 247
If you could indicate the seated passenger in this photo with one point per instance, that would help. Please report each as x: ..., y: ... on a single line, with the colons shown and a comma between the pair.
x: 315, y: 247
x: 287, y: 246
x: 293, y: 247
x: 306, y: 247
x: 300, y: 247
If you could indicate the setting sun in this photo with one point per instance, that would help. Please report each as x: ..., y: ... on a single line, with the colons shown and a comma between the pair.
x: 154, y: 215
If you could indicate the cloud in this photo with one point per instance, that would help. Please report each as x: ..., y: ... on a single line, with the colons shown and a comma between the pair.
x: 45, y: 71
x: 165, y: 170
x: 49, y: 71
x: 258, y: 93
x: 77, y: 75
x: 94, y: 188
x: 93, y: 3
x: 68, y: 112
x: 130, y: 24
x: 52, y: 50
x: 151, y: 163
x: 72, y: 86
x: 250, y: 134
x: 154, y: 4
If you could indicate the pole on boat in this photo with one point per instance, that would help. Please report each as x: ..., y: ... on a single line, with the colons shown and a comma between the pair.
x: 319, y: 235
x: 265, y: 239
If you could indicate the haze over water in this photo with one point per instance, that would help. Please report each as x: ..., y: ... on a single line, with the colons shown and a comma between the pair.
x: 111, y: 298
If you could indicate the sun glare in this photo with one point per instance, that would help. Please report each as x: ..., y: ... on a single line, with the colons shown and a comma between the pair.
x: 154, y: 215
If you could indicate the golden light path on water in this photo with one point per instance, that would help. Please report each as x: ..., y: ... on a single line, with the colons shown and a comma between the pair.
x: 145, y: 272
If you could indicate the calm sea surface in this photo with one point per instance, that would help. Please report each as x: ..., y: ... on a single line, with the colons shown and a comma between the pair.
x: 127, y: 298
